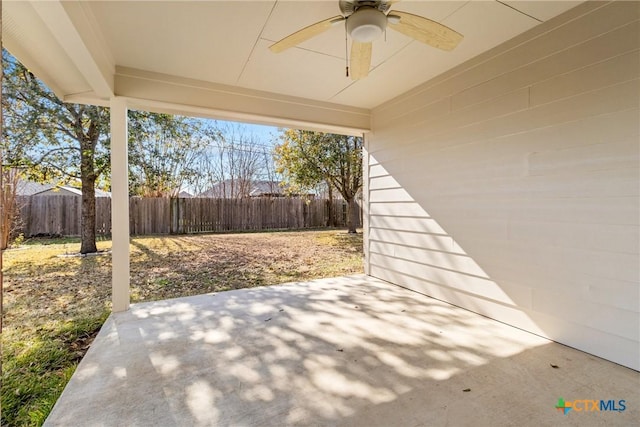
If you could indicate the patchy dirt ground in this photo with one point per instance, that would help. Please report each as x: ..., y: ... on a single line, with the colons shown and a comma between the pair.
x: 194, y: 265
x: 54, y: 303
x: 40, y: 284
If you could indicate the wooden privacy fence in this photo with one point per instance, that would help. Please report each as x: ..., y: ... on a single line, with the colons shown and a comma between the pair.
x: 60, y: 215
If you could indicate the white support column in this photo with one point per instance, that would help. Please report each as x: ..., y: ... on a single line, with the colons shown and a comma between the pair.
x: 365, y: 202
x: 119, y: 205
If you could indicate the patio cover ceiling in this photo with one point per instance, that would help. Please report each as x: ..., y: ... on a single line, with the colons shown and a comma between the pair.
x: 211, y: 58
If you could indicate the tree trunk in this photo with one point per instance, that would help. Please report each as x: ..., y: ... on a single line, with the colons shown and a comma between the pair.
x: 353, y: 215
x: 88, y: 221
x: 88, y: 178
x: 332, y: 217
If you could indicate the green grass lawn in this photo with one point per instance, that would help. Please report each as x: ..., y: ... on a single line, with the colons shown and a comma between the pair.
x: 55, y: 304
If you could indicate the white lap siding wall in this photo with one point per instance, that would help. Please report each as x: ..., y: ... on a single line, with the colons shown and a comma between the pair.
x: 509, y: 185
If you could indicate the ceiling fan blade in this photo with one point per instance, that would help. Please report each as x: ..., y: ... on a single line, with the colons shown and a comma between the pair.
x: 426, y: 31
x: 304, y: 34
x: 360, y: 60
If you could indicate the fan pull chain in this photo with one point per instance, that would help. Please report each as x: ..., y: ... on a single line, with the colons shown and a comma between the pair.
x: 346, y: 49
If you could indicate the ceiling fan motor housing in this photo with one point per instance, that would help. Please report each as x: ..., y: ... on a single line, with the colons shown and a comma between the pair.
x: 348, y: 7
x: 366, y: 24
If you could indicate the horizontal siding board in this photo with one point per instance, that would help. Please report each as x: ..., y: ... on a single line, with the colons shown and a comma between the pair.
x: 487, y: 225
x: 410, y: 209
x: 390, y: 195
x: 421, y: 225
x: 622, y: 182
x: 377, y: 171
x: 559, y: 69
x: 418, y: 240
x: 431, y: 111
x: 620, y: 69
x: 381, y: 182
x: 587, y: 210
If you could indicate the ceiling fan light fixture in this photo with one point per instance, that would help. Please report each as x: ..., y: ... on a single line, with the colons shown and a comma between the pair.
x: 366, y: 24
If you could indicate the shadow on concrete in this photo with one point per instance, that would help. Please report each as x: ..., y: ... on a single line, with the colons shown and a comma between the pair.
x: 343, y: 351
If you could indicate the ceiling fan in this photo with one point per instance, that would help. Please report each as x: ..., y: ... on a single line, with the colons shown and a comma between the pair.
x: 365, y: 21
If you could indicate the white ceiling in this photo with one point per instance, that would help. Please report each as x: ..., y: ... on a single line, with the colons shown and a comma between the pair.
x: 226, y: 42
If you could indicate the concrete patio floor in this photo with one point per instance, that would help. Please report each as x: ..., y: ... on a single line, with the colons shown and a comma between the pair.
x: 349, y: 351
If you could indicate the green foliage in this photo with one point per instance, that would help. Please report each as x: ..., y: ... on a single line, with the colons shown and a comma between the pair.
x: 162, y: 152
x: 36, y: 369
x: 298, y: 158
x: 18, y: 240
x: 308, y: 158
x: 47, y: 138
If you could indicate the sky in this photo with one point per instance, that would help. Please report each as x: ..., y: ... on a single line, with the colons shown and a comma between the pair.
x: 266, y: 135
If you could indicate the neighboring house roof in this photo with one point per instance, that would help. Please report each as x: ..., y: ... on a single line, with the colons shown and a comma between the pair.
x: 30, y: 188
x: 261, y: 188
x: 101, y: 193
x: 185, y: 195
x: 58, y: 191
x: 230, y: 188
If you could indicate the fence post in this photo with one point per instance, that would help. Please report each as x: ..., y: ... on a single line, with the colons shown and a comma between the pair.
x: 173, y: 215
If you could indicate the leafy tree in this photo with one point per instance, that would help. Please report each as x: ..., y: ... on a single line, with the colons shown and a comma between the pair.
x: 163, y: 150
x: 9, y: 183
x: 307, y: 158
x: 50, y: 139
